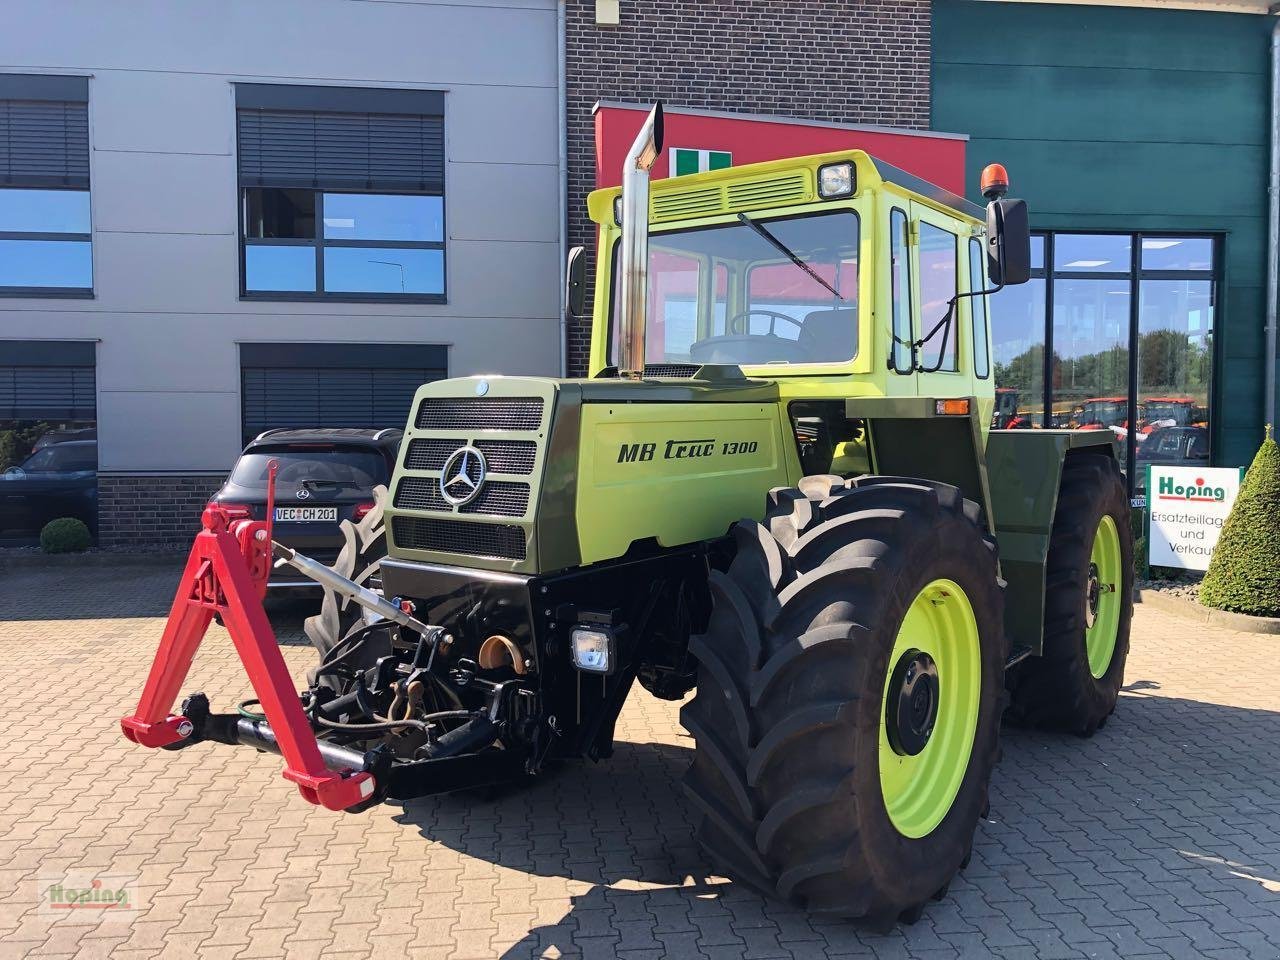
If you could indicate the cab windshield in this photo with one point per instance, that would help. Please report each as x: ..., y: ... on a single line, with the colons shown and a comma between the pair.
x: 728, y: 294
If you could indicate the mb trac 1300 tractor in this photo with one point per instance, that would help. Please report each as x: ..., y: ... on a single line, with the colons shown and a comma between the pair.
x: 778, y: 491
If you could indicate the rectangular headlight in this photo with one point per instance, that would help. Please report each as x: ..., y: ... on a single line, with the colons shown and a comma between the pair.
x: 594, y: 649
x: 835, y: 180
x: 617, y: 210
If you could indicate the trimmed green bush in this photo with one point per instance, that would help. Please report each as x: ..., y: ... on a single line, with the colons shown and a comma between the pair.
x: 1244, y: 574
x: 65, y: 535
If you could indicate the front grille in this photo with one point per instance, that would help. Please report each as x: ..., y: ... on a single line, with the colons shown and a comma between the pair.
x: 480, y: 413
x: 429, y: 454
x: 508, y: 456
x: 420, y: 493
x: 500, y: 498
x: 490, y: 540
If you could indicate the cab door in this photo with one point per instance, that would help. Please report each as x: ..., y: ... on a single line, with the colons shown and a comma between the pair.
x: 940, y: 264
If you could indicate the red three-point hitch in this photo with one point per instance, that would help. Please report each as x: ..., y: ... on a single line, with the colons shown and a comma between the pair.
x: 226, y: 576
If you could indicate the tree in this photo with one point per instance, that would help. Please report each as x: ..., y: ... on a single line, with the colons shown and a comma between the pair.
x: 1244, y: 574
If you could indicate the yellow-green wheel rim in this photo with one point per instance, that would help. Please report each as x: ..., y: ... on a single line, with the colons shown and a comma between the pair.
x: 919, y: 790
x: 1102, y: 597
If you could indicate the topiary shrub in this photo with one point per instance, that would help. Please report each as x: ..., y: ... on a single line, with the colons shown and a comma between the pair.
x: 1244, y: 574
x: 65, y: 535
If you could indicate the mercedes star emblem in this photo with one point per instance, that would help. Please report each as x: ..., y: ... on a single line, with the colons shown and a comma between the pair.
x: 303, y: 493
x: 462, y: 476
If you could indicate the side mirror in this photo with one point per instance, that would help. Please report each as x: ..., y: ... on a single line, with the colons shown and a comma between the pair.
x: 575, y: 282
x: 1008, y: 242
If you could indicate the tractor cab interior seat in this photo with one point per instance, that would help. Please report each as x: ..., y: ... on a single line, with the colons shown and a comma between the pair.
x: 829, y: 336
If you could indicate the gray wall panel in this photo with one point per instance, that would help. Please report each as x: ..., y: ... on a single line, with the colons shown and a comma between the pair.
x: 164, y: 193
x: 323, y: 40
x: 138, y: 110
x: 488, y: 124
x: 504, y: 201
x: 180, y: 430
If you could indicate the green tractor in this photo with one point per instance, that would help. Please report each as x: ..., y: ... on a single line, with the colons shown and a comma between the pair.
x: 778, y: 490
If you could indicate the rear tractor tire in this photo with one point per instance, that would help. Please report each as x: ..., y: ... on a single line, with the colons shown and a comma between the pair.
x: 1088, y: 600
x: 850, y: 686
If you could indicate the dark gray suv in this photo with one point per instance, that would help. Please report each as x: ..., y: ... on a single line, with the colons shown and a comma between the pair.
x: 325, y: 476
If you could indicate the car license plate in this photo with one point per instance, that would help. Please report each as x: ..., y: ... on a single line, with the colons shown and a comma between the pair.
x: 306, y: 514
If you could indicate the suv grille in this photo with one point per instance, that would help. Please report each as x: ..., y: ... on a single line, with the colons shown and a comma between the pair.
x: 498, y: 541
x: 480, y: 413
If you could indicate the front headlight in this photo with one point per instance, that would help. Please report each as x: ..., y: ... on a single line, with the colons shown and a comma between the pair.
x: 594, y: 650
x: 835, y: 180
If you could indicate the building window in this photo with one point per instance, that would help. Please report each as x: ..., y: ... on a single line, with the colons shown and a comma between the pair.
x: 48, y: 436
x: 45, y: 234
x: 333, y: 384
x: 1128, y: 320
x: 342, y: 193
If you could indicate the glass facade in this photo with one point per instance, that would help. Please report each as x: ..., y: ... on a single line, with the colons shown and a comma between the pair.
x: 45, y: 245
x: 1114, y: 332
x: 309, y: 243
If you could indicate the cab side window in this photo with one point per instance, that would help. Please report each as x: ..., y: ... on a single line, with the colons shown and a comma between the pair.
x: 978, y: 311
x: 938, y: 278
x: 900, y: 255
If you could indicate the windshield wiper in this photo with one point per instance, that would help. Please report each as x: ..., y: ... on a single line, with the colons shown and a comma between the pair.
x: 788, y: 253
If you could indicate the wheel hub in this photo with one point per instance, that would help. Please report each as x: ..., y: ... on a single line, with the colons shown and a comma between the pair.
x: 1093, y: 594
x: 911, y: 709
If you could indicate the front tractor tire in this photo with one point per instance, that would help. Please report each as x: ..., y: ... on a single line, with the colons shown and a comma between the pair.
x: 850, y: 686
x: 1075, y: 684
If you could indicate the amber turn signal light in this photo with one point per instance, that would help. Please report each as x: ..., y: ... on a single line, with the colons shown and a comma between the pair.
x: 952, y: 408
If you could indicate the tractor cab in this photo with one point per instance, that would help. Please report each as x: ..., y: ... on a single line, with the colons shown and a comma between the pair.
x: 836, y: 274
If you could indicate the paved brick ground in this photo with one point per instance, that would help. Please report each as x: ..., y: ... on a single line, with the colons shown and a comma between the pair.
x: 1160, y: 836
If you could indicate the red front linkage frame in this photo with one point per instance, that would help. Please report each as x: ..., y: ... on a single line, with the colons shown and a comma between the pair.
x: 226, y: 575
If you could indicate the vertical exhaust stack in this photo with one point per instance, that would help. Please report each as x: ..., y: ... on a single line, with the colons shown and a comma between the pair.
x: 635, y: 244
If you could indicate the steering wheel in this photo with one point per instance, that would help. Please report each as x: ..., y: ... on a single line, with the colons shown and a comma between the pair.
x: 732, y: 326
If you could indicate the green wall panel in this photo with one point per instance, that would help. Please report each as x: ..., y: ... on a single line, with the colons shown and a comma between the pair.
x: 1106, y: 104
x: 1117, y: 118
x: 1063, y: 35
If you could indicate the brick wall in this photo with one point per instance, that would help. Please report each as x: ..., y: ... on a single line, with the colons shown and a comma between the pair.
x: 152, y: 512
x: 846, y: 61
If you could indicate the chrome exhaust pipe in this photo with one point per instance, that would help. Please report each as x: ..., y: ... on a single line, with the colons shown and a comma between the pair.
x: 635, y: 244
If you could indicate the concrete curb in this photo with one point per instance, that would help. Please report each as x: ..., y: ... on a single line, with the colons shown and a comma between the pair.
x: 1218, y: 618
x: 34, y: 559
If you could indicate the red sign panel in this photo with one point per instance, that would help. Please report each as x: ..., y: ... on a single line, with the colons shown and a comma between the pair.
x: 752, y: 138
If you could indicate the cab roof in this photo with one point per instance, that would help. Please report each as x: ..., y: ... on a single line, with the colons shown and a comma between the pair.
x: 773, y: 183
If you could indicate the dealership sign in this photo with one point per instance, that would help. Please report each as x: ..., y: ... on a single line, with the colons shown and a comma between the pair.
x: 686, y: 160
x: 1188, y: 506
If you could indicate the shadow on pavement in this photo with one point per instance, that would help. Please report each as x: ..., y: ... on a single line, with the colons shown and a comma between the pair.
x: 89, y: 592
x: 123, y: 592
x: 1164, y: 816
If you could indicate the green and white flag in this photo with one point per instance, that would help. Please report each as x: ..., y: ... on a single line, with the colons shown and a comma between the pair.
x: 688, y: 160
